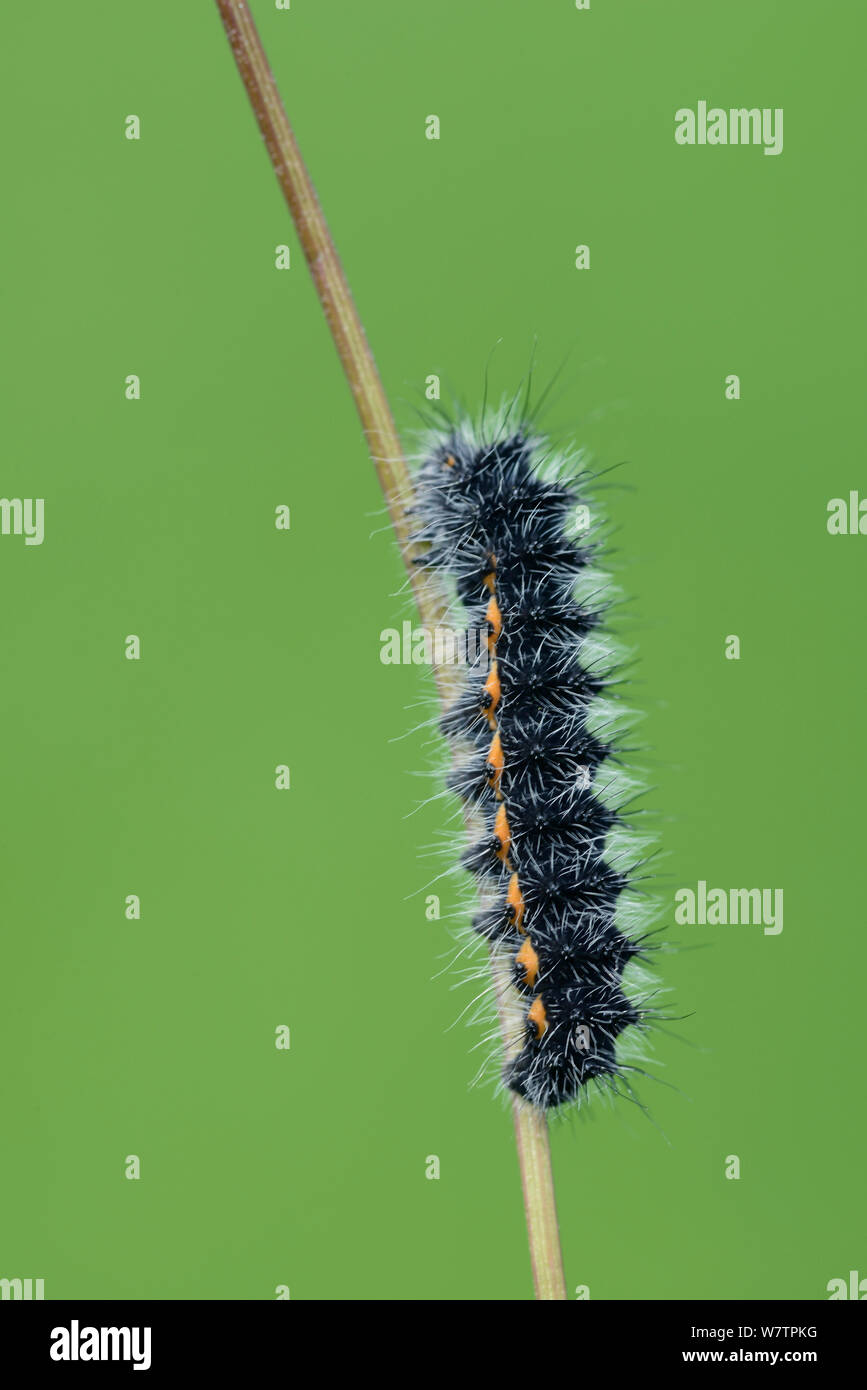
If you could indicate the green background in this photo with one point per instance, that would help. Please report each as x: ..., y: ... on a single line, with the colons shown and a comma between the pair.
x: 306, y: 907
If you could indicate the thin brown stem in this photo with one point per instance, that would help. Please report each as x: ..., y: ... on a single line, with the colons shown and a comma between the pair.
x: 531, y: 1129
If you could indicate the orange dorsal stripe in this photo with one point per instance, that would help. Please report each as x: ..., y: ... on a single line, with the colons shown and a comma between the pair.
x: 492, y: 694
x: 502, y: 833
x: 529, y: 962
x: 515, y: 899
x: 494, y: 619
x: 538, y: 1016
x: 494, y: 766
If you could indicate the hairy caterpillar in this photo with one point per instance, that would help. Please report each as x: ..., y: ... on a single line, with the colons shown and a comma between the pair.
x: 496, y: 512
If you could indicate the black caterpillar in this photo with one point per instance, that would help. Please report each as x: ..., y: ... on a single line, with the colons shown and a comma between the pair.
x: 495, y: 513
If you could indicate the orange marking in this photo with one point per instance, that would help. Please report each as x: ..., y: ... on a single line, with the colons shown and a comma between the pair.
x: 502, y: 833
x: 515, y: 899
x: 529, y: 962
x: 492, y: 694
x: 491, y: 576
x: 495, y: 622
x: 450, y: 462
x: 538, y: 1016
x: 494, y: 766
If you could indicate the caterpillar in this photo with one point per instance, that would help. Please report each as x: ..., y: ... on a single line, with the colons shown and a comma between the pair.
x: 499, y: 513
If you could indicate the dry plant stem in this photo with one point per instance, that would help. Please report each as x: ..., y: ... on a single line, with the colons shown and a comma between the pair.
x: 531, y: 1127
x: 534, y: 1153
x: 328, y: 277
